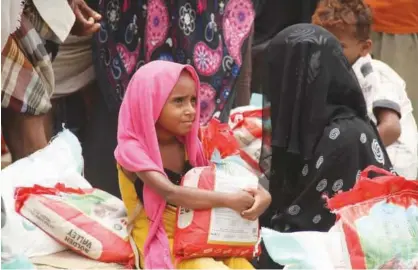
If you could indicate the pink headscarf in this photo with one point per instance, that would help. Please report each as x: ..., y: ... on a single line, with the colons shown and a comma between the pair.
x: 138, y: 148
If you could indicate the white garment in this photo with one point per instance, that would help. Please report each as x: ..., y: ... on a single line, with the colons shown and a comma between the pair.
x: 73, y: 66
x: 56, y: 13
x: 11, y: 12
x: 384, y: 88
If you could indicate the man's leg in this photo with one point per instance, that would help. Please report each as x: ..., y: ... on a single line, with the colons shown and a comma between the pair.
x: 24, y: 134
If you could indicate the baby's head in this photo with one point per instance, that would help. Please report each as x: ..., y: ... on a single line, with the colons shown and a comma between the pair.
x: 179, y: 111
x: 350, y: 21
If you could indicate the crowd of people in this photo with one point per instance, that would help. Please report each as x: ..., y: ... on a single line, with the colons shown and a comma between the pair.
x: 134, y: 80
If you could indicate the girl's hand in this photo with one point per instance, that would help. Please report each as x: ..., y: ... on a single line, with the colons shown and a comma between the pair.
x: 262, y: 200
x: 239, y: 201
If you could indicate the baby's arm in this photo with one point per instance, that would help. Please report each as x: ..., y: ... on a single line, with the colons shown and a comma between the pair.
x: 388, y: 125
x: 193, y: 198
x: 387, y: 104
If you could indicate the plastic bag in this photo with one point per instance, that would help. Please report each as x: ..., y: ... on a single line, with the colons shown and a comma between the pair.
x: 217, y: 232
x: 377, y: 228
x: 306, y: 250
x: 218, y: 136
x: 9, y: 259
x: 252, y: 133
x: 90, y: 222
x: 379, y: 218
x: 60, y: 161
x: 246, y: 124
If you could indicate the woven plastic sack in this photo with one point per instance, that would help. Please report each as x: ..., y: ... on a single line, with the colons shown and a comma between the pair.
x: 60, y: 161
x: 90, y: 222
x: 217, y: 232
x: 218, y: 136
x: 247, y: 125
x: 379, y: 218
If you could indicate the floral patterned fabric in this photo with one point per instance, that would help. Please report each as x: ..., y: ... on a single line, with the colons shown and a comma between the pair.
x: 210, y: 35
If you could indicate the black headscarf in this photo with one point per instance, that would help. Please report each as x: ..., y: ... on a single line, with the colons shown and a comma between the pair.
x: 274, y: 15
x: 308, y: 83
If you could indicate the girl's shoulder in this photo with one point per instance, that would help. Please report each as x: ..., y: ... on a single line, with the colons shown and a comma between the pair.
x: 122, y: 172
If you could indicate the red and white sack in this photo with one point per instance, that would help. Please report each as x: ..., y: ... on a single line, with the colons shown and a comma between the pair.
x: 217, y: 232
x: 251, y: 154
x: 218, y: 137
x: 90, y: 222
x: 378, y: 218
x: 246, y: 124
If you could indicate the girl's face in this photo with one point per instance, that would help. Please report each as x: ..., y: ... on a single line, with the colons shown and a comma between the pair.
x: 179, y: 111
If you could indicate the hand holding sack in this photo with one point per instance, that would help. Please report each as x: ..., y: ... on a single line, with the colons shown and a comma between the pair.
x: 217, y: 232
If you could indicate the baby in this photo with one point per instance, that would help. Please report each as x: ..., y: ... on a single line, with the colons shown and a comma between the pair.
x: 384, y: 90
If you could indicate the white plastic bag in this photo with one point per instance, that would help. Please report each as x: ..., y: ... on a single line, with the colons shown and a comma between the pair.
x: 307, y: 250
x: 61, y: 161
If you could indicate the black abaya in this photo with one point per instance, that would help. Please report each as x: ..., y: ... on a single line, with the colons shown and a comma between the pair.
x: 321, y: 137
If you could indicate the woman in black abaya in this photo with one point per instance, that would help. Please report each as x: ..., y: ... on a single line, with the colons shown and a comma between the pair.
x: 321, y: 136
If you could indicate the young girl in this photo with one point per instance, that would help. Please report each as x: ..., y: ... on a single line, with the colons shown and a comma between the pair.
x: 157, y: 144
